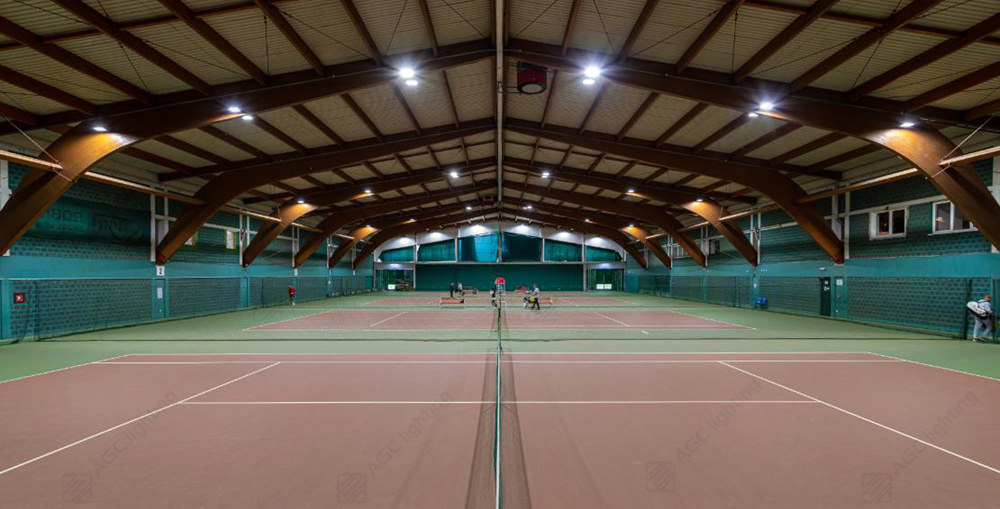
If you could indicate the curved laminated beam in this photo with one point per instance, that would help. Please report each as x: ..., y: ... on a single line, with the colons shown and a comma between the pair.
x: 341, y: 217
x: 409, y: 227
x: 922, y: 146
x: 220, y: 190
x: 80, y: 148
x: 783, y: 190
x: 602, y: 226
x: 647, y: 213
x: 358, y: 234
x: 292, y: 210
x: 347, y: 245
x: 707, y: 209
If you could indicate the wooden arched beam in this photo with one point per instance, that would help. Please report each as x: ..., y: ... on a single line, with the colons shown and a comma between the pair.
x: 399, y: 220
x: 605, y: 231
x: 783, y: 190
x: 640, y: 212
x: 407, y: 227
x: 707, y: 209
x: 922, y: 146
x: 82, y: 147
x: 220, y: 190
x: 292, y: 210
x: 340, y: 218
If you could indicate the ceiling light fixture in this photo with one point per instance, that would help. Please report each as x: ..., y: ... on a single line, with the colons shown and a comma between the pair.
x: 247, y: 118
x: 407, y: 72
x: 100, y: 129
x: 906, y: 124
x: 753, y: 114
x: 234, y: 109
x: 592, y: 71
x: 766, y: 106
x: 411, y: 83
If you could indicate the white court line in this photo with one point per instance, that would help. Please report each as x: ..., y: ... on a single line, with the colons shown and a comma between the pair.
x: 251, y: 329
x: 482, y: 361
x: 64, y: 369
x: 519, y: 402
x: 526, y: 352
x: 387, y: 319
x: 852, y: 414
x: 602, y: 315
x: 126, y: 423
x: 938, y: 367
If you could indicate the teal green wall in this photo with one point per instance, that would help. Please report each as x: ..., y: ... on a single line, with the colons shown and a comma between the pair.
x: 549, y: 277
x: 85, y: 265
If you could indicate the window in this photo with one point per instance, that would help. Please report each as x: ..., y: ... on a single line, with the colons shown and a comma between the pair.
x: 888, y: 224
x: 714, y: 246
x: 231, y: 240
x: 947, y: 218
x: 193, y: 240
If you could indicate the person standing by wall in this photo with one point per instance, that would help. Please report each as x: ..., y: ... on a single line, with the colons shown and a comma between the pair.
x: 291, y: 294
x: 451, y: 290
x: 984, y: 318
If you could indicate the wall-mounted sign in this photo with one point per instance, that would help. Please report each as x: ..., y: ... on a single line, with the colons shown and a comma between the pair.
x: 20, y: 298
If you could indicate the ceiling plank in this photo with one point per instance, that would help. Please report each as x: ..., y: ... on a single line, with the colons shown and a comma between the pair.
x: 779, y: 41
x: 639, y: 112
x: 220, y: 43
x: 359, y: 25
x: 574, y: 11
x: 808, y: 147
x: 302, y: 110
x: 640, y: 24
x: 72, y: 60
x: 278, y: 19
x: 725, y: 12
x: 109, y: 28
x: 953, y: 87
x: 902, y: 17
x: 425, y: 12
x: 680, y: 123
x: 356, y: 108
x: 45, y: 90
x: 279, y: 134
x: 724, y: 131
x: 767, y: 138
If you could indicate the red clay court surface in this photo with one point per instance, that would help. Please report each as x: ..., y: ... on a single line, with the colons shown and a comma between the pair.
x: 485, y: 301
x: 458, y: 319
x: 843, y: 430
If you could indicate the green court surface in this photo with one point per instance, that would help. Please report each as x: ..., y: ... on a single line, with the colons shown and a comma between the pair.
x: 423, y: 328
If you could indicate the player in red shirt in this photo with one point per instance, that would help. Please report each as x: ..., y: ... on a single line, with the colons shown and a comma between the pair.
x: 291, y: 294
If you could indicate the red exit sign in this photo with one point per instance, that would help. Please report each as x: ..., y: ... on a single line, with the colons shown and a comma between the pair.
x: 20, y: 298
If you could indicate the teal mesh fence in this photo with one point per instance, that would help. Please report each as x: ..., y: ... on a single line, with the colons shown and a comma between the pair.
x: 60, y: 306
x: 654, y: 285
x: 792, y: 294
x: 202, y: 296
x: 350, y: 285
x: 927, y: 303
x: 688, y: 287
x: 728, y: 290
x: 269, y: 291
x: 311, y: 288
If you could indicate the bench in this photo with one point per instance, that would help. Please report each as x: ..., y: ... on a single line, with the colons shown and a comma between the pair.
x: 544, y: 301
x: 451, y: 301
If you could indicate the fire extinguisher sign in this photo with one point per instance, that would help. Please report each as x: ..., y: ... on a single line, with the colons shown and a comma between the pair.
x: 20, y: 298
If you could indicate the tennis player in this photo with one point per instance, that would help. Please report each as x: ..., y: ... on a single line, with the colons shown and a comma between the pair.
x: 535, y: 292
x: 291, y: 294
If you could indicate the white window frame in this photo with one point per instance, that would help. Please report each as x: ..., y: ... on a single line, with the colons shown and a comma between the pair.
x: 934, y: 230
x: 873, y: 233
x: 231, y: 240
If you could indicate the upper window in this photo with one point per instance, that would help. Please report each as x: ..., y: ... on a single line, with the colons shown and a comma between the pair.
x: 231, y: 240
x: 947, y: 218
x: 888, y: 224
